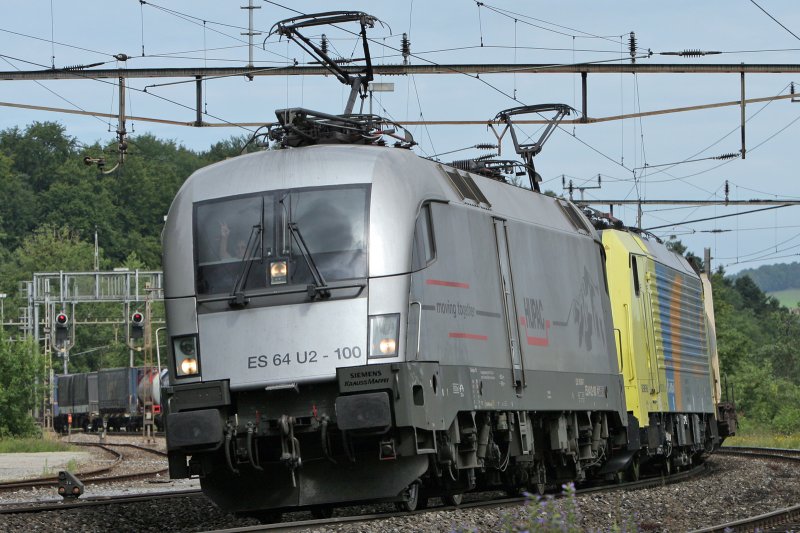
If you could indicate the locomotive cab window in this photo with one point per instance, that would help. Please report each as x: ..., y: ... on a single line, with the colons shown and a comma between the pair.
x: 423, y: 251
x: 276, y: 240
x: 635, y: 271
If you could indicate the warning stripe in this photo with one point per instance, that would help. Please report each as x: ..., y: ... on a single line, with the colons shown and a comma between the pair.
x: 541, y: 341
x: 470, y: 336
x: 538, y: 341
x: 442, y: 283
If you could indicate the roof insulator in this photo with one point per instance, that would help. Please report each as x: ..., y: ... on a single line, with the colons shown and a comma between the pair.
x: 632, y: 46
x: 405, y: 46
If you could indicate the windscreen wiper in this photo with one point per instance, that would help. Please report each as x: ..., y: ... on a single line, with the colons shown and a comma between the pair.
x: 253, y: 243
x: 320, y: 287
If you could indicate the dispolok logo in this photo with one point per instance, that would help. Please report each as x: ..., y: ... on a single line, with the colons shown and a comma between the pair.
x: 533, y: 313
x: 586, y: 313
x: 534, y: 322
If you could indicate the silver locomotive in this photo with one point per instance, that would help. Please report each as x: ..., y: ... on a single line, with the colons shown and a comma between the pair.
x: 387, y: 325
x: 350, y: 322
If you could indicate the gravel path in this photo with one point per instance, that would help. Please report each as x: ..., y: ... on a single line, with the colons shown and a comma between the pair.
x: 738, y: 487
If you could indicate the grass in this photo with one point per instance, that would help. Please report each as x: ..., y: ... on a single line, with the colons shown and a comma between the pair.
x: 754, y: 435
x: 71, y: 466
x: 33, y: 445
x: 788, y: 297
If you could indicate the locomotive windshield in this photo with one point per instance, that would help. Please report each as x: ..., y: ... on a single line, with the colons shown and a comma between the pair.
x: 247, y: 242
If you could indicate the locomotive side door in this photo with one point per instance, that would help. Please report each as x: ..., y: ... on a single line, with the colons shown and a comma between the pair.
x: 643, y: 292
x: 509, y: 309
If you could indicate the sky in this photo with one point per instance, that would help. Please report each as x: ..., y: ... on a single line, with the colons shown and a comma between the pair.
x: 635, y: 158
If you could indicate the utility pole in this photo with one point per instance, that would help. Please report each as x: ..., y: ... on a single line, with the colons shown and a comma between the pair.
x: 96, y: 251
x: 122, y: 145
x: 148, y: 414
x: 250, y: 33
x: 639, y: 214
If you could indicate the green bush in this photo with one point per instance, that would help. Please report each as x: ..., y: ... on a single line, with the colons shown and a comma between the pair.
x: 787, y: 421
x: 20, y: 371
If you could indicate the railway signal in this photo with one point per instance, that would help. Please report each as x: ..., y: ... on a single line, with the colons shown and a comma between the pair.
x: 137, y: 325
x: 62, y: 328
x: 69, y: 486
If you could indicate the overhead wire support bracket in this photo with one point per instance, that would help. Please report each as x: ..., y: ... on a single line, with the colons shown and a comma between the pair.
x: 529, y: 150
x: 358, y: 83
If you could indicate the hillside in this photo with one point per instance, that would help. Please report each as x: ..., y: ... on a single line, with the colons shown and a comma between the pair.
x: 788, y: 297
x: 773, y: 278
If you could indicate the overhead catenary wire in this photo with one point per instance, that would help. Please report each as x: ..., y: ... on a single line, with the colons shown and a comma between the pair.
x: 428, y: 122
x: 776, y: 20
x: 768, y: 101
x: 51, y: 40
x: 40, y: 84
x: 80, y: 74
x: 512, y: 14
x: 682, y: 223
x: 476, y: 77
x: 199, y: 21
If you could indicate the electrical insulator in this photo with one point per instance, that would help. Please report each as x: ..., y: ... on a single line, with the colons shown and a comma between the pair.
x: 405, y: 46
x: 323, y: 45
x: 632, y: 47
x: 137, y: 325
x: 727, y: 190
x: 486, y: 146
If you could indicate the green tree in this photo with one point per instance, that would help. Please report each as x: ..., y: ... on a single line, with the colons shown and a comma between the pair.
x: 757, y: 340
x: 21, y: 368
x: 48, y: 249
x: 39, y: 152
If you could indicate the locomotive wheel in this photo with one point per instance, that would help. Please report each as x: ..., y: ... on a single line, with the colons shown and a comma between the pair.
x: 409, y: 505
x: 453, y: 500
x: 326, y: 511
x: 633, y: 469
x: 422, y: 500
x: 666, y: 468
x: 540, y: 486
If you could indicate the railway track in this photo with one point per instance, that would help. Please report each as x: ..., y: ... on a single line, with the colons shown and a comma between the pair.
x: 763, y: 521
x: 97, y: 475
x: 494, y: 502
x: 783, y: 519
x: 88, y: 502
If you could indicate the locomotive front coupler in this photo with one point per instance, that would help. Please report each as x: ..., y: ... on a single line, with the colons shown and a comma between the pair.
x: 230, y: 440
x: 252, y: 451
x: 290, y: 446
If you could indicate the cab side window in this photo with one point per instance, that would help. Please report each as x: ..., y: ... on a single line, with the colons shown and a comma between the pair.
x: 635, y: 271
x: 423, y: 250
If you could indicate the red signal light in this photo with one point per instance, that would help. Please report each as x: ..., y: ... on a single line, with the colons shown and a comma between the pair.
x: 61, y: 319
x: 137, y: 318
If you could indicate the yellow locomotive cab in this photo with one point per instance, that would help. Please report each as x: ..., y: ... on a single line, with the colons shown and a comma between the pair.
x: 660, y: 327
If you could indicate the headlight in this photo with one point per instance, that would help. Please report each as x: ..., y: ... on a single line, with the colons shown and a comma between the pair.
x: 278, y: 272
x: 187, y: 361
x: 383, y: 333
